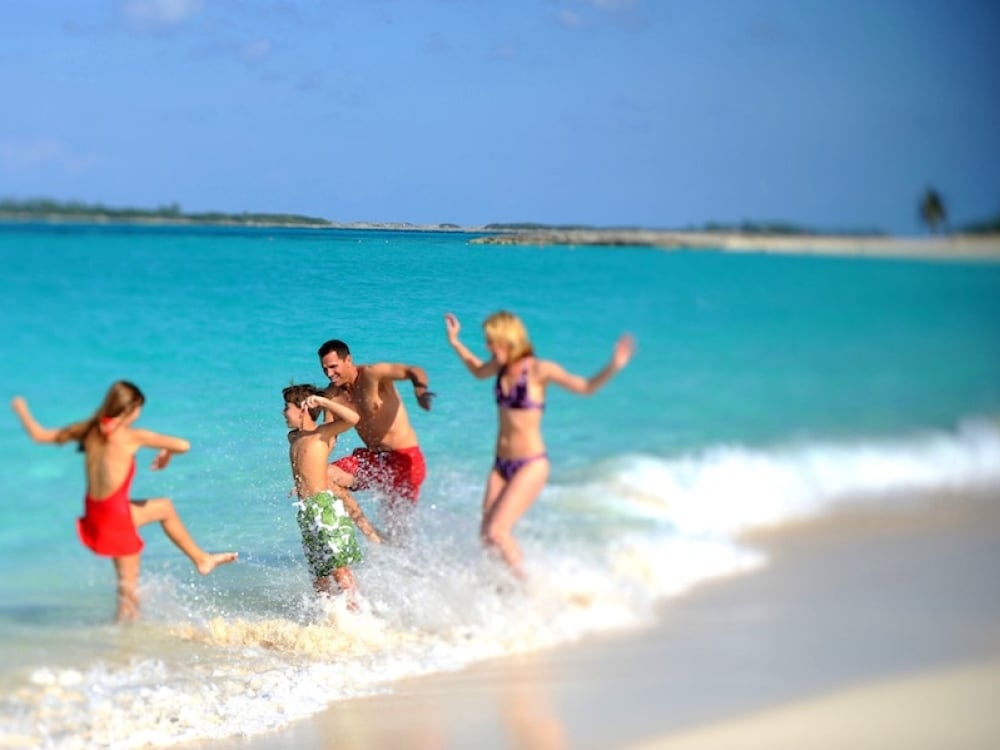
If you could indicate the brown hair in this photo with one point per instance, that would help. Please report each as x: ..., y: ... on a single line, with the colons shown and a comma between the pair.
x: 506, y: 329
x: 121, y: 399
x: 296, y: 394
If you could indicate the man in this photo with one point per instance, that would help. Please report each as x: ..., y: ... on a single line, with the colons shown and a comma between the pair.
x: 391, y: 461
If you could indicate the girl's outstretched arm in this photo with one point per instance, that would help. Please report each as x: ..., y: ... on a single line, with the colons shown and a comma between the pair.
x: 472, y: 363
x: 168, y: 445
x: 35, y: 431
x: 554, y: 373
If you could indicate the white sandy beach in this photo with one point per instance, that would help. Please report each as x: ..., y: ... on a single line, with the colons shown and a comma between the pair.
x: 953, y: 708
x: 871, y: 628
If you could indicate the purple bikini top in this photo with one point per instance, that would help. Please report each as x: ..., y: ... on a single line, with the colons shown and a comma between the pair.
x: 518, y: 397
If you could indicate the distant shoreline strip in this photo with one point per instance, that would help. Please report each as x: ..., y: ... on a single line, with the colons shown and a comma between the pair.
x: 958, y: 247
x: 938, y: 247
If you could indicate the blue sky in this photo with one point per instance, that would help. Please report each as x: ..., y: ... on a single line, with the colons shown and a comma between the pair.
x: 831, y: 114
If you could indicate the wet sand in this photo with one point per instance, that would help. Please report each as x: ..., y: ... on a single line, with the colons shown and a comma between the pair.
x: 873, y: 627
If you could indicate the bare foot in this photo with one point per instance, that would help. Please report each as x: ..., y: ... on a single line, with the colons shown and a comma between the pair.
x: 123, y: 618
x: 211, y: 562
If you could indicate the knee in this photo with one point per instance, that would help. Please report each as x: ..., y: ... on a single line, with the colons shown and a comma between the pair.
x: 493, y: 534
x: 337, y: 476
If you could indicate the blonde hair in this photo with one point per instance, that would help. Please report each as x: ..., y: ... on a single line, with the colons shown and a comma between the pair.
x: 506, y: 330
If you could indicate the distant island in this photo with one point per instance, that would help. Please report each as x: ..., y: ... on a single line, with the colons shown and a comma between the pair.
x: 48, y: 210
x: 44, y: 209
x: 981, y: 240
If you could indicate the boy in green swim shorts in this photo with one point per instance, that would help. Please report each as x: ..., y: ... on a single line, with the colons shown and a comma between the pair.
x: 326, y: 516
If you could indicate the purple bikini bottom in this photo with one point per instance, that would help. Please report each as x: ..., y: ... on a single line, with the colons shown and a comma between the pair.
x: 508, y: 467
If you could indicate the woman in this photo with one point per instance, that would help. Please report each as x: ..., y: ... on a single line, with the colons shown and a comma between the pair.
x: 109, y: 442
x: 521, y: 465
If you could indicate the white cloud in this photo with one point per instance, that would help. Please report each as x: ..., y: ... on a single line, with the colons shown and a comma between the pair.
x: 159, y: 14
x: 40, y: 153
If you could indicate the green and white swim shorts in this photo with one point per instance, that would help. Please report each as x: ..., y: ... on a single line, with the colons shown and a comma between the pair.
x: 328, y: 537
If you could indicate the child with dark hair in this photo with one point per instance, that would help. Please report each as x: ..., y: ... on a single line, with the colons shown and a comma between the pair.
x: 325, y: 516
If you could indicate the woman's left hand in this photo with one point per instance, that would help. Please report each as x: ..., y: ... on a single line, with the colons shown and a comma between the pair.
x: 162, y: 459
x: 624, y: 349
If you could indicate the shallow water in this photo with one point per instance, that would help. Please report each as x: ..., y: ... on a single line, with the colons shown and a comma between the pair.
x: 765, y: 388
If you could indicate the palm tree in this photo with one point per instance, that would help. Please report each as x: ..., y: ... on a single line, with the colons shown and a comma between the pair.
x: 932, y: 210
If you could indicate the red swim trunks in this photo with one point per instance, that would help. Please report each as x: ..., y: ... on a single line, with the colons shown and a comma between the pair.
x: 397, y: 473
x: 106, y: 526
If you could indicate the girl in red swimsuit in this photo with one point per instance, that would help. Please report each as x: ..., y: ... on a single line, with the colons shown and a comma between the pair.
x: 109, y: 443
x: 521, y: 466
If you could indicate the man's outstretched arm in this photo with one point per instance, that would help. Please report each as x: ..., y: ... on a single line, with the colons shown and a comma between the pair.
x: 398, y: 371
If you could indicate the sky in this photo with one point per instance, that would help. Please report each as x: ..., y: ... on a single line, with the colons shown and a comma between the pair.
x: 832, y: 115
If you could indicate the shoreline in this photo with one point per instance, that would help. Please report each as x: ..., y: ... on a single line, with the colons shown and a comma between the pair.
x: 936, y: 247
x: 985, y: 247
x: 864, y: 607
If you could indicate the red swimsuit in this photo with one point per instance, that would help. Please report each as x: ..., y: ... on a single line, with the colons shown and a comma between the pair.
x: 106, y: 526
x: 399, y: 473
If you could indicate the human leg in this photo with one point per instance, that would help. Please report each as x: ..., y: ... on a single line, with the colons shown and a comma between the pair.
x: 354, y: 472
x: 329, y: 541
x: 396, y: 475
x: 357, y: 515
x: 405, y: 471
x: 127, y: 574
x: 338, y: 476
x: 400, y: 475
x: 162, y: 509
x: 340, y: 579
x: 504, y: 506
x: 495, y: 484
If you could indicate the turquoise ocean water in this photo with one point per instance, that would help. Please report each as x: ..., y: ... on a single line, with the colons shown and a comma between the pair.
x: 765, y: 389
